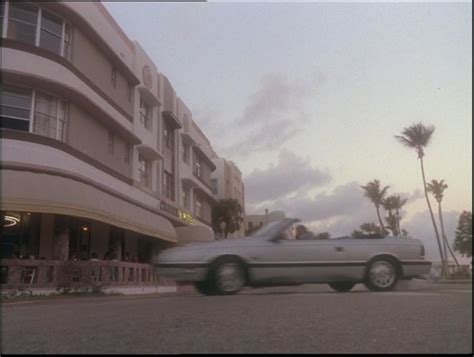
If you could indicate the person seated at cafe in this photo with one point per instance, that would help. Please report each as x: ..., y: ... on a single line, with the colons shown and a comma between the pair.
x: 94, y: 257
x: 107, y: 255
x: 126, y: 257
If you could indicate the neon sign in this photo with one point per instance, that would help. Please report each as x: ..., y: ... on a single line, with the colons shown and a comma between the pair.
x: 10, y: 221
x: 185, y: 217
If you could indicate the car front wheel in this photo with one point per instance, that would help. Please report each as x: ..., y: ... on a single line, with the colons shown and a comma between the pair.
x: 342, y: 286
x: 382, y: 275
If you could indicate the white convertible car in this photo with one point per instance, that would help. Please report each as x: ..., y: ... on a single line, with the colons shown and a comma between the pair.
x: 271, y: 256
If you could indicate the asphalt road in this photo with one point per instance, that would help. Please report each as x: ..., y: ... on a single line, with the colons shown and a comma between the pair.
x: 416, y: 318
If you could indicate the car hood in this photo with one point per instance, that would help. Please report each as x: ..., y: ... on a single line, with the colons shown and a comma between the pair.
x: 193, y: 251
x: 221, y: 243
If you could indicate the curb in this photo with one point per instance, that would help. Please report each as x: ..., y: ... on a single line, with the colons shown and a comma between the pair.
x: 450, y: 281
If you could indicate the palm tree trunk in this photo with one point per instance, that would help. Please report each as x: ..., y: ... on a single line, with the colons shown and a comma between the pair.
x: 445, y: 240
x: 443, y: 273
x: 398, y: 222
x: 380, y: 219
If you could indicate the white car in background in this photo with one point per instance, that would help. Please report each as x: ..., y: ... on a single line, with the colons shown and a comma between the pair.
x: 272, y: 257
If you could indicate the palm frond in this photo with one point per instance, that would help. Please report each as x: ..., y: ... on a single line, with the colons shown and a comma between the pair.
x: 416, y: 136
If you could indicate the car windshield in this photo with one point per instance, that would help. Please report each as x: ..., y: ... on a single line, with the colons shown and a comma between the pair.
x: 273, y: 228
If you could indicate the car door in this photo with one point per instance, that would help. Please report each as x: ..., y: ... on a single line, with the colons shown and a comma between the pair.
x: 296, y: 261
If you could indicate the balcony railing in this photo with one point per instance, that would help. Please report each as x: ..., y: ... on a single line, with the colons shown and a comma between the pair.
x: 16, y: 274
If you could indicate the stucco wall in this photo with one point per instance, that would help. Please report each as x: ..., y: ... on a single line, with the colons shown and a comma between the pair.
x: 88, y: 58
x: 91, y: 137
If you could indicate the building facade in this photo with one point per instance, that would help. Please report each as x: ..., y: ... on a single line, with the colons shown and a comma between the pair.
x: 255, y: 221
x: 227, y: 183
x: 91, y: 137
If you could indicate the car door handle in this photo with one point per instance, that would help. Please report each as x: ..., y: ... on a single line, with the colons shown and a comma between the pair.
x: 339, y: 249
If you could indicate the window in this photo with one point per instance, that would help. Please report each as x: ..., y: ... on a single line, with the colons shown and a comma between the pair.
x: 185, y: 153
x: 22, y: 22
x: 67, y: 41
x: 2, y: 15
x: 199, y: 207
x: 214, y: 186
x: 129, y: 92
x: 168, y: 136
x: 114, y: 77
x: 145, y: 114
x: 197, y: 169
x: 144, y: 171
x: 168, y: 186
x: 15, y: 108
x: 30, y: 24
x: 49, y: 112
x: 111, y: 143
x: 127, y: 153
x: 186, y: 196
x: 51, y: 32
x: 46, y: 114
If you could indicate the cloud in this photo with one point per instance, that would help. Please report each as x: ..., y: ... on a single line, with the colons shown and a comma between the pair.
x: 274, y: 113
x: 421, y: 227
x: 291, y: 174
x: 276, y: 96
x: 267, y: 138
x: 339, y: 211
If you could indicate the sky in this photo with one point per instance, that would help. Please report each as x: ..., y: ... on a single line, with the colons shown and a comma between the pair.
x: 306, y: 99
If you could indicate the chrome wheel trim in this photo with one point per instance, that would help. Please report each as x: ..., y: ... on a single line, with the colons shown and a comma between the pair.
x: 229, y: 277
x: 382, y: 274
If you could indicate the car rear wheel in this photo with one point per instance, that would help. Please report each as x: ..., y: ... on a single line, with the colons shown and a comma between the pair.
x: 382, y: 275
x: 228, y: 276
x: 342, y: 286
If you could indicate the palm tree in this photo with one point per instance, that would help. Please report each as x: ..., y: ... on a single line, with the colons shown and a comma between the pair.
x: 437, y: 189
x: 398, y: 203
x: 376, y: 195
x: 389, y: 205
x: 394, y: 203
x: 418, y: 137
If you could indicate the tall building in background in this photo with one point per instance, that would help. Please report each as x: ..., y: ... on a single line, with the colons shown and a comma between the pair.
x: 227, y: 183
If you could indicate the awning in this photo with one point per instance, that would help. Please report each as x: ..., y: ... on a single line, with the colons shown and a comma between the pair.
x: 172, y: 119
x: 188, y: 138
x: 149, y: 152
x: 148, y: 95
x: 27, y: 191
x: 207, y: 195
x: 205, y: 157
x: 195, y: 233
x: 189, y: 182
